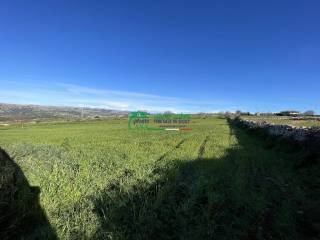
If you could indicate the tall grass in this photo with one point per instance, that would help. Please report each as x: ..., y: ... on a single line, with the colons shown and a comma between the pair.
x: 99, y: 180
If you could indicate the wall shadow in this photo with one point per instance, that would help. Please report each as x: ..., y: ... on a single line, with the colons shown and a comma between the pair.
x: 21, y: 216
x: 249, y: 193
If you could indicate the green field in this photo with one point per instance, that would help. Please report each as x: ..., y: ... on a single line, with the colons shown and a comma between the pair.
x: 312, y: 122
x: 99, y: 180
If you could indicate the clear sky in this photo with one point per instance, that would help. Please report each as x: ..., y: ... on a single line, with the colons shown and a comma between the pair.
x: 162, y: 55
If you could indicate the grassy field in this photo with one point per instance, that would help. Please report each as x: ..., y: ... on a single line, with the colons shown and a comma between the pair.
x: 98, y: 180
x: 312, y: 122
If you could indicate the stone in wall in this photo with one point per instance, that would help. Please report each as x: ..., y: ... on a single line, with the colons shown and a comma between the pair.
x: 303, y: 135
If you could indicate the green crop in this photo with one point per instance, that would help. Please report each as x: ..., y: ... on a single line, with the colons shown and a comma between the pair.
x: 99, y: 180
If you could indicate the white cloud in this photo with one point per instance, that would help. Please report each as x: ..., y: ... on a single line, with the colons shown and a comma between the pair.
x: 63, y: 94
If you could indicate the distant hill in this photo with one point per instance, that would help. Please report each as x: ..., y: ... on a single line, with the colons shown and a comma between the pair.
x: 17, y: 112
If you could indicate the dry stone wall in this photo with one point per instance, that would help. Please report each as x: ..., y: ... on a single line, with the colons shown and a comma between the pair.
x: 307, y: 136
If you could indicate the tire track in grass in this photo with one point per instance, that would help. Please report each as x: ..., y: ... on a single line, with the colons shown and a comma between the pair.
x: 181, y: 184
x: 158, y: 167
x: 171, y: 150
x: 126, y: 173
x: 175, y: 153
x: 202, y: 148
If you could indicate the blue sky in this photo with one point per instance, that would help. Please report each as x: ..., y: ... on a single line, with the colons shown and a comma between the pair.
x: 183, y: 56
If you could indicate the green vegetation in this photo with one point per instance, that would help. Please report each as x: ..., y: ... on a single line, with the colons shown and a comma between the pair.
x: 293, y: 121
x: 99, y: 180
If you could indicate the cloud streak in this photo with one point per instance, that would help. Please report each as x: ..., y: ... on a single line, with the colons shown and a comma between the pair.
x: 64, y: 94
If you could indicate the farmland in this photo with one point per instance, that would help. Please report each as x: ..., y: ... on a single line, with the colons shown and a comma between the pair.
x: 99, y: 180
x: 293, y: 121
